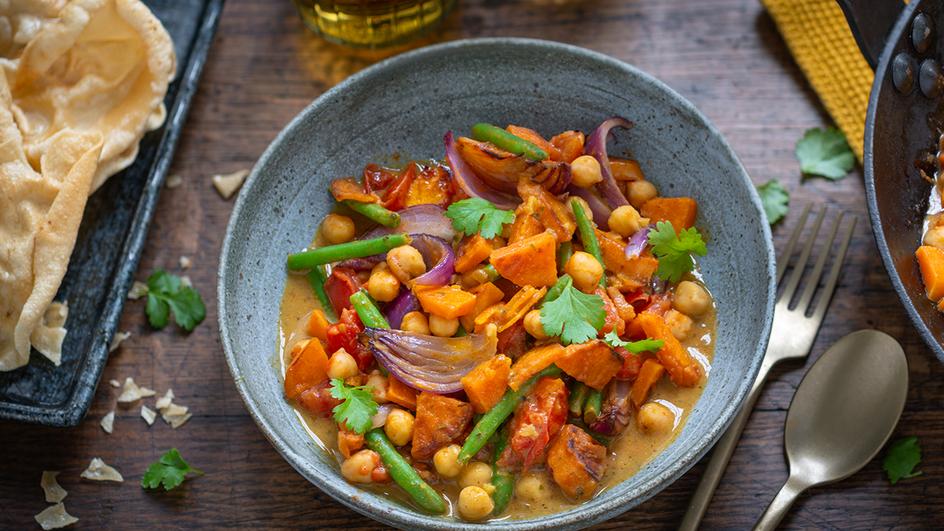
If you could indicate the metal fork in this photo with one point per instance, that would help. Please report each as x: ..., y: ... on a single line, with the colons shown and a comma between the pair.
x: 794, y: 329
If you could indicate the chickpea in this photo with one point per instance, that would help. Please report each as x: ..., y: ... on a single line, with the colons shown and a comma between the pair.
x: 399, y: 427
x: 691, y: 299
x: 406, y: 263
x: 446, y: 461
x: 415, y: 322
x: 358, y: 467
x: 585, y: 270
x: 626, y: 221
x: 654, y: 418
x: 443, y: 327
x: 475, y: 503
x: 475, y: 473
x: 378, y: 387
x: 585, y: 171
x: 341, y: 365
x: 679, y: 323
x: 382, y: 285
x: 935, y: 237
x: 533, y: 326
x: 533, y: 487
x: 337, y: 229
x: 639, y: 192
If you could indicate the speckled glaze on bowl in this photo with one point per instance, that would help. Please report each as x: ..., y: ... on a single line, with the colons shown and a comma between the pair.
x: 404, y: 105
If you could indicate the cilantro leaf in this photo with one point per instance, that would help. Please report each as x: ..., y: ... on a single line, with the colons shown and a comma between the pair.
x: 636, y: 347
x: 573, y: 315
x: 166, y: 294
x: 170, y: 471
x: 902, y: 457
x: 357, y: 407
x: 775, y: 199
x: 478, y: 216
x: 824, y: 152
x: 675, y: 251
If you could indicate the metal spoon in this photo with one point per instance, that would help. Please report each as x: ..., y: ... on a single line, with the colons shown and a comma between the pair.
x: 842, y: 414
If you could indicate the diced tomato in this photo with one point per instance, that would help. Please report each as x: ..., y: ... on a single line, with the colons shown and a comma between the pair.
x: 396, y: 195
x: 344, y: 334
x: 613, y: 320
x: 431, y: 185
x: 537, y: 420
x: 657, y: 303
x: 317, y: 400
x: 377, y: 178
x: 631, y: 364
x: 340, y: 285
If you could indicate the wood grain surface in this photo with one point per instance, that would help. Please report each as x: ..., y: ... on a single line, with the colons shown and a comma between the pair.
x: 724, y: 55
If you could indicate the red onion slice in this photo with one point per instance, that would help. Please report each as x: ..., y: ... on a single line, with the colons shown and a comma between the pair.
x: 428, y: 363
x: 601, y: 212
x: 380, y: 418
x: 419, y: 219
x: 616, y: 410
x: 404, y: 303
x: 596, y: 146
x: 439, y: 257
x: 638, y: 242
x: 470, y: 183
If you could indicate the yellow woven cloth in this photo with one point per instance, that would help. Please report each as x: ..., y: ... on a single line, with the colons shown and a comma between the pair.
x: 822, y: 44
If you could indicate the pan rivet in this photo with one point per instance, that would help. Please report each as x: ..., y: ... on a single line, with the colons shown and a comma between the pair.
x: 921, y: 30
x: 903, y: 73
x: 929, y: 78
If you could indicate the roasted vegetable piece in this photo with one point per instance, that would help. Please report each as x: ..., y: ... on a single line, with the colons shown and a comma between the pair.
x: 616, y: 409
x: 535, y: 138
x: 341, y: 284
x: 507, y: 141
x: 592, y: 363
x: 349, y: 442
x: 537, y: 419
x: 632, y: 363
x: 507, y: 314
x: 544, y: 206
x: 626, y: 170
x: 649, y: 374
x: 680, y: 211
x: 576, y: 462
x: 430, y: 186
x: 931, y: 263
x: 350, y: 190
x: 681, y: 366
x: 502, y: 170
x: 533, y: 362
x: 400, y: 393
x: 513, y: 342
x: 440, y: 421
x: 448, y: 302
x: 343, y: 334
x: 529, y: 262
x: 570, y: 144
x: 613, y: 323
x: 472, y: 252
x: 405, y: 475
x: 317, y: 400
x: 526, y: 222
x: 308, y: 368
x: 486, y: 384
x: 486, y: 295
x: 317, y: 324
x: 636, y: 272
x: 395, y: 196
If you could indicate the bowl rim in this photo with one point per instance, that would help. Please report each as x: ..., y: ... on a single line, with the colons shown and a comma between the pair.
x: 582, y: 516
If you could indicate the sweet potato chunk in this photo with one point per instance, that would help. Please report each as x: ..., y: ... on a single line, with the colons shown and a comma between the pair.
x: 682, y: 367
x: 931, y: 262
x: 635, y: 273
x: 486, y: 383
x: 570, y: 144
x: 680, y: 211
x: 576, y: 462
x: 400, y: 393
x: 625, y: 170
x: 533, y: 362
x: 471, y: 253
x: 554, y: 215
x: 309, y: 367
x: 592, y: 363
x: 529, y: 262
x: 448, y: 302
x: 440, y: 421
x: 317, y: 324
x: 650, y: 373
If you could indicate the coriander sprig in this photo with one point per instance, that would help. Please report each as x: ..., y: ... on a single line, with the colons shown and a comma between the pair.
x: 675, y: 251
x: 478, y: 216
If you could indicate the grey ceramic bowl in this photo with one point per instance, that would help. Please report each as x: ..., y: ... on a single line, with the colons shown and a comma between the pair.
x: 404, y: 105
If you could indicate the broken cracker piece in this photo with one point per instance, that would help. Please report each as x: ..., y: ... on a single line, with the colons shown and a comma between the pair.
x: 117, y: 340
x: 53, y: 490
x: 148, y: 414
x: 114, y: 383
x: 54, y: 517
x: 98, y: 470
x: 165, y: 401
x: 185, y: 262
x: 138, y: 290
x: 173, y: 181
x: 228, y: 184
x: 108, y: 422
x: 130, y: 392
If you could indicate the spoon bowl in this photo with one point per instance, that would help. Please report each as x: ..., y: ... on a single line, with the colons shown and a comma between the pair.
x: 842, y: 414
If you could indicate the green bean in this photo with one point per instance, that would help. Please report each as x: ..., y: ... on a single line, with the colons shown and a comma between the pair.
x: 507, y: 141
x: 587, y: 236
x: 493, y: 419
x: 491, y: 274
x: 343, y: 251
x: 317, y: 278
x: 403, y: 473
x: 374, y: 212
x: 367, y: 310
x: 503, y: 482
x: 591, y: 410
x: 578, y: 397
x: 564, y: 252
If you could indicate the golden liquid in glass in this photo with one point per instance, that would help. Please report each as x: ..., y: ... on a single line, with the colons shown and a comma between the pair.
x: 372, y: 23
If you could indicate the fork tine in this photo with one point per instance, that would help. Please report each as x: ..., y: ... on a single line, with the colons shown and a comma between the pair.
x: 798, y: 268
x: 784, y: 257
x: 830, y: 286
x: 813, y: 280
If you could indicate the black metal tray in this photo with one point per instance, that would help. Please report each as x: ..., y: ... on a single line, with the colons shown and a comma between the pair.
x: 109, y: 243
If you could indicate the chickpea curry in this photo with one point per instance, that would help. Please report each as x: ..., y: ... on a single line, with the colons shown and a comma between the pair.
x: 502, y: 334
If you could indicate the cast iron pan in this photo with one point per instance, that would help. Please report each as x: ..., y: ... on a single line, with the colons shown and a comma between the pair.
x: 904, y: 122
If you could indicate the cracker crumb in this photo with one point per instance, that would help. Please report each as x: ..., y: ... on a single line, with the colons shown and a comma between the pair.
x: 98, y: 470
x: 108, y: 422
x: 229, y: 183
x: 165, y: 401
x: 117, y: 340
x: 54, y: 517
x: 114, y: 383
x: 173, y: 181
x: 185, y: 262
x: 148, y: 414
x: 138, y: 290
x: 185, y: 281
x: 130, y: 392
x: 53, y: 490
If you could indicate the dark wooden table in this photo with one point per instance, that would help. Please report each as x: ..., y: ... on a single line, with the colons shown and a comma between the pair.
x: 724, y: 55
